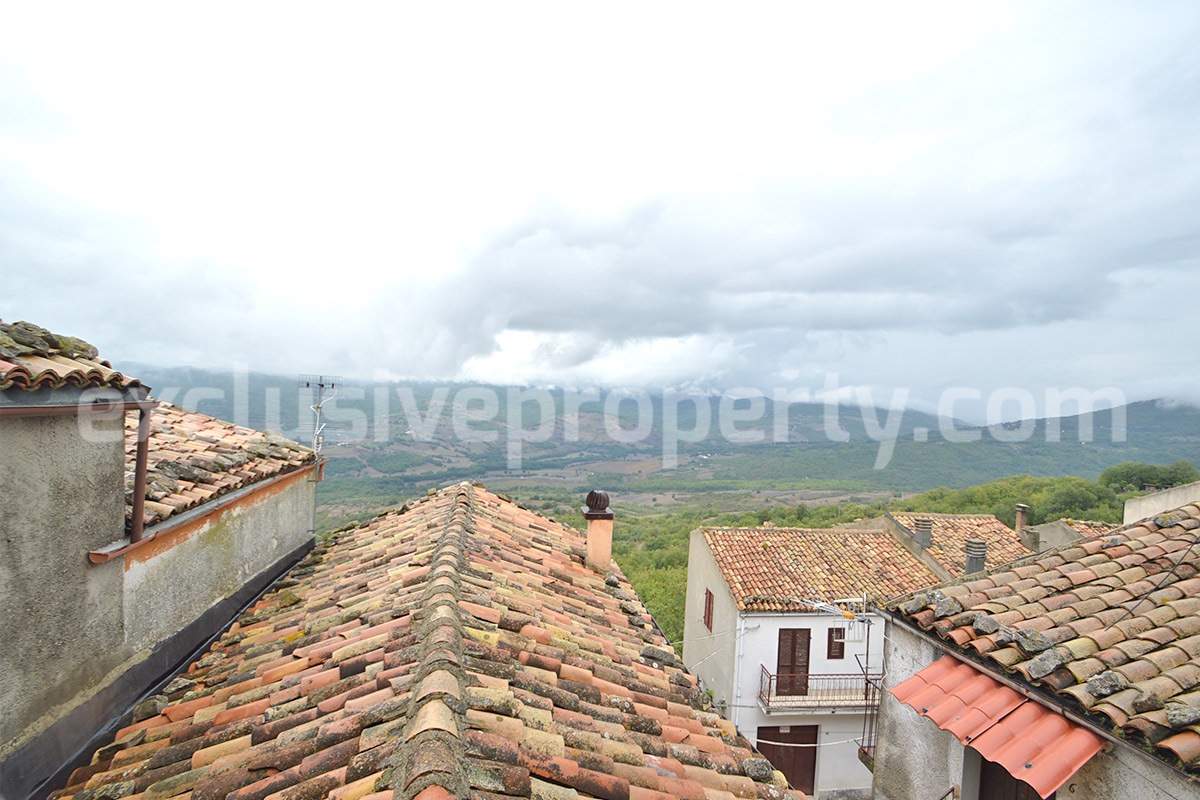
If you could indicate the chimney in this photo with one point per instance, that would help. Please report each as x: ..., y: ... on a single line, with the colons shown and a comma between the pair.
x: 923, y: 531
x: 1022, y: 517
x: 599, y: 531
x: 976, y: 551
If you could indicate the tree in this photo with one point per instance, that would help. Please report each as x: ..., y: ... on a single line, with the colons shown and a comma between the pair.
x: 1134, y: 476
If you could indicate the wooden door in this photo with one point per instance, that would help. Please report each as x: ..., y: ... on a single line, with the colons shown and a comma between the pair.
x: 995, y: 783
x: 791, y: 666
x: 798, y: 764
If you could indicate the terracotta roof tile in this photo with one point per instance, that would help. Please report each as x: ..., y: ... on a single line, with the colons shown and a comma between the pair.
x: 1118, y: 634
x: 194, y: 458
x: 505, y: 668
x: 33, y: 358
x: 1090, y: 528
x: 774, y: 569
x: 951, y: 532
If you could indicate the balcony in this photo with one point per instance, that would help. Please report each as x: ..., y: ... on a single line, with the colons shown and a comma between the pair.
x: 779, y: 693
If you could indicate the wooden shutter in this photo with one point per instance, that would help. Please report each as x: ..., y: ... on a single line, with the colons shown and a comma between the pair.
x: 836, y: 647
x: 708, y: 609
x: 792, y: 661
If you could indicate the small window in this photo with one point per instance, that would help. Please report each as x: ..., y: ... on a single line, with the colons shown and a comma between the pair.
x: 708, y: 609
x: 837, y: 643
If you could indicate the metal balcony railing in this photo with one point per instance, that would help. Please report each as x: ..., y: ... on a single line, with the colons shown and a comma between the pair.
x: 798, y: 691
x: 866, y: 745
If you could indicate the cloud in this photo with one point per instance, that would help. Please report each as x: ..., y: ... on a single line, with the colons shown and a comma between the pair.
x: 983, y: 195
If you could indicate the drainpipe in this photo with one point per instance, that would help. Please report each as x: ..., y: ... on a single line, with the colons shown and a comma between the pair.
x: 140, y: 469
x: 737, y: 675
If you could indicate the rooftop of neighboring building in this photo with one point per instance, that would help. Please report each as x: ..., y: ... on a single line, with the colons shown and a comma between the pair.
x: 1089, y: 528
x: 1108, y: 626
x: 950, y: 533
x: 772, y: 569
x: 194, y: 458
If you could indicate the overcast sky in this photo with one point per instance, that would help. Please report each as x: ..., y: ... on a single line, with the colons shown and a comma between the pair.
x: 906, y: 194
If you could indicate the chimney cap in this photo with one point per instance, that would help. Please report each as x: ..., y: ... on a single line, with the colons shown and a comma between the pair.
x: 597, y: 505
x: 1022, y: 507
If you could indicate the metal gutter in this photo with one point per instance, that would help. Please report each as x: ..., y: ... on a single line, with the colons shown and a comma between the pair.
x: 74, y: 409
x: 740, y: 649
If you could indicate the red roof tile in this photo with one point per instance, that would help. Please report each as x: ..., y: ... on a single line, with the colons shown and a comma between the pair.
x: 507, y: 669
x: 1033, y: 743
x: 1110, y: 625
x: 775, y: 569
x: 194, y: 458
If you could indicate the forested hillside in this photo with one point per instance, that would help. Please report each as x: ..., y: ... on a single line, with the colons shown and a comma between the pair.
x: 387, y: 443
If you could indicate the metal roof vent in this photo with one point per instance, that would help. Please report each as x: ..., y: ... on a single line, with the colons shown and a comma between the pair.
x: 923, y: 531
x: 976, y: 551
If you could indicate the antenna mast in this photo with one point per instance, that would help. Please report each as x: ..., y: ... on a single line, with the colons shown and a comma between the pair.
x: 318, y: 385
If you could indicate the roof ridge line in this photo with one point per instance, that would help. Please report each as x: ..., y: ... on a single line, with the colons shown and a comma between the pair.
x: 433, y: 753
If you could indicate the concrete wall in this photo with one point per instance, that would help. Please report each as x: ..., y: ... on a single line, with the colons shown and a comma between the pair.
x: 1148, y: 505
x: 61, y: 495
x: 915, y: 760
x: 710, y: 655
x: 172, y: 581
x: 1049, y: 534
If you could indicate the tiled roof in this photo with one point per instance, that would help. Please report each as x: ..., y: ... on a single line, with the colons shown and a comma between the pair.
x: 460, y: 649
x: 951, y: 532
x: 774, y: 569
x: 194, y: 458
x: 1089, y: 528
x: 34, y: 358
x: 1109, y: 626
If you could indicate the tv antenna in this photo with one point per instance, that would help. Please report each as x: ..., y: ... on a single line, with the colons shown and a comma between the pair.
x: 318, y: 385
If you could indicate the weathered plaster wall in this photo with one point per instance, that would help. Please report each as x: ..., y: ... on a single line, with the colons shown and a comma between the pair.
x: 914, y: 759
x: 1148, y: 505
x: 1049, y: 534
x: 61, y: 494
x: 1117, y: 771
x: 79, y: 641
x: 173, y: 582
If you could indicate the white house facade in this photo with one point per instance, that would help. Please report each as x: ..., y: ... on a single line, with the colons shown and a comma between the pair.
x: 795, y: 679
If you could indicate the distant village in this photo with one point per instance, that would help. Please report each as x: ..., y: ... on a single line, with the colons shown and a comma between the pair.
x: 176, y: 626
